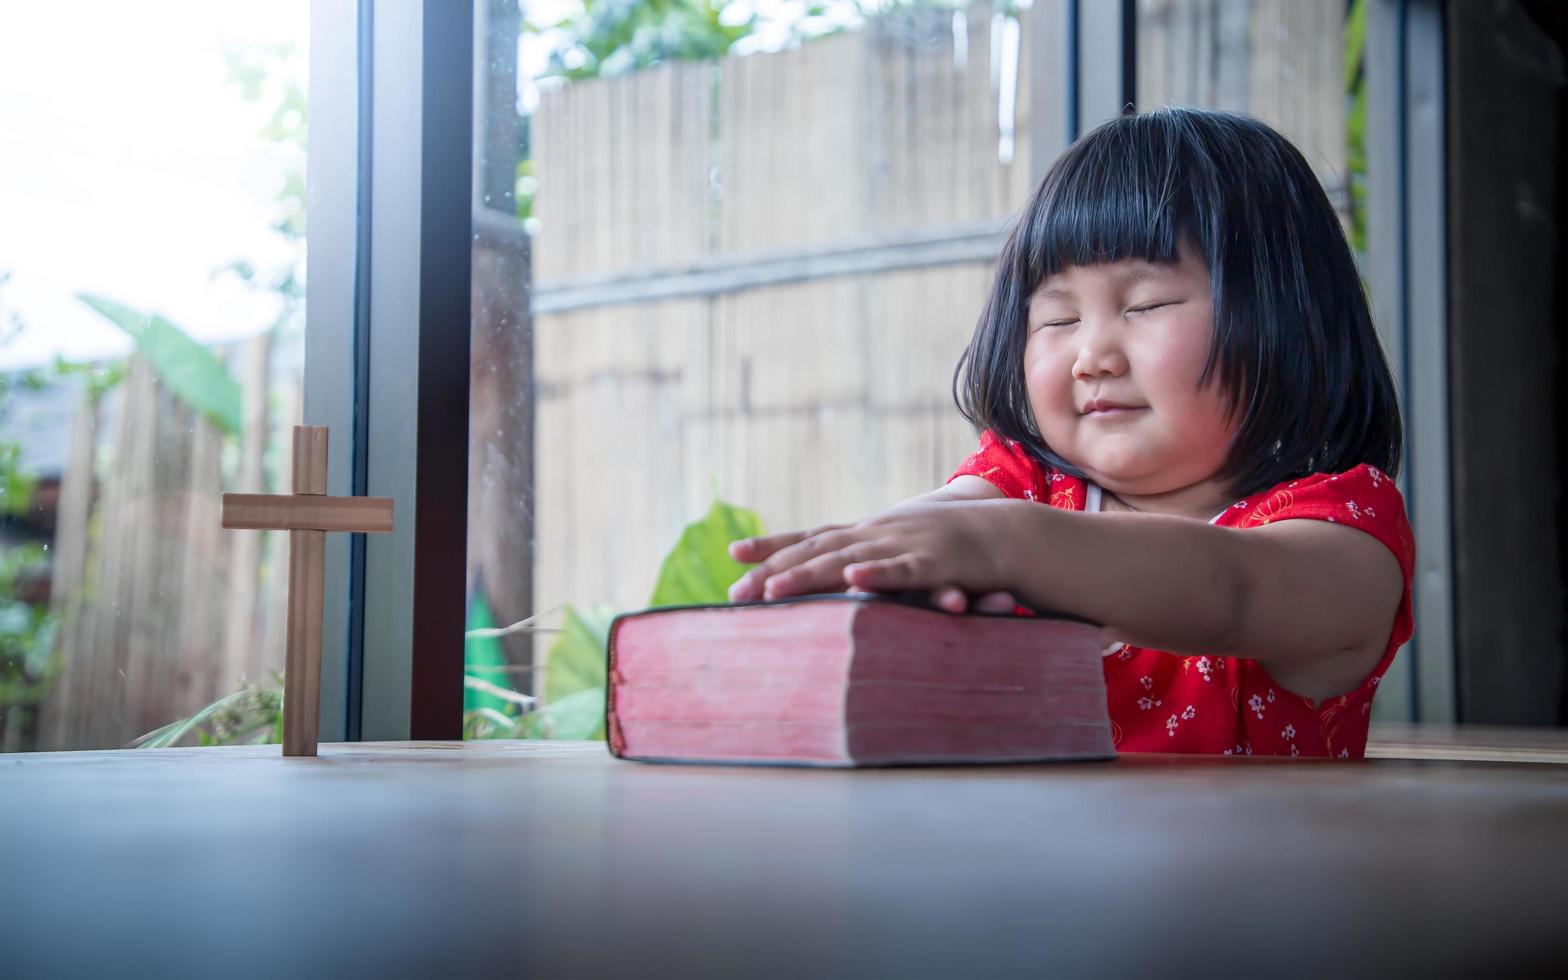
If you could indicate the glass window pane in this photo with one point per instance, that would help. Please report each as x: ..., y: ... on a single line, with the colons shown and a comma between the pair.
x: 152, y: 306
x: 733, y: 259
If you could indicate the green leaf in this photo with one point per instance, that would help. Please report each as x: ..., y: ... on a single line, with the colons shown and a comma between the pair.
x: 577, y: 657
x: 481, y: 654
x: 174, y: 731
x: 577, y: 716
x: 1355, y: 42
x: 189, y: 369
x: 488, y: 723
x: 699, y: 568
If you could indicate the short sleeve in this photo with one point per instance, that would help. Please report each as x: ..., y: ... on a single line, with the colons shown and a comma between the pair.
x: 1005, y: 465
x: 1364, y: 498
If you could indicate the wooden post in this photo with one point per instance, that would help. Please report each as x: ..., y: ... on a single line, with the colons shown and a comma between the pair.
x: 307, y: 561
x: 307, y: 515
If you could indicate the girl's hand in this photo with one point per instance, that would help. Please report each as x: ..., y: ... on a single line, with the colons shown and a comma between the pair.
x: 950, y: 598
x: 949, y: 549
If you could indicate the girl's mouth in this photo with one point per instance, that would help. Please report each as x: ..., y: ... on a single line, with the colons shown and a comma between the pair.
x: 1111, y: 411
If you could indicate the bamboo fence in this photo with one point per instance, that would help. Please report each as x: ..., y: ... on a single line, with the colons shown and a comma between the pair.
x: 161, y: 611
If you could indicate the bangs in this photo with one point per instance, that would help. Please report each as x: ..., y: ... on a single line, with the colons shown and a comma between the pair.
x: 1117, y: 194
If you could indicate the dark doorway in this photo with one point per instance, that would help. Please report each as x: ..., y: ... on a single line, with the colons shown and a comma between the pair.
x: 1508, y: 307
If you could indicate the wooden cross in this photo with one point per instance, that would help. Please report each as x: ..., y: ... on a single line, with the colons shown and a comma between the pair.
x: 307, y: 515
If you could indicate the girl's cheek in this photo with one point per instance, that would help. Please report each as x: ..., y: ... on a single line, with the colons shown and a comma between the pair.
x: 1048, y: 377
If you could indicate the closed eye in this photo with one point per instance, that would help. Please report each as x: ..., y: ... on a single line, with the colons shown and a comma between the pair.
x: 1055, y: 323
x: 1152, y: 306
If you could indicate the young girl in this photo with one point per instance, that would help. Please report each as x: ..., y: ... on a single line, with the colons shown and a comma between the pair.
x: 1188, y: 434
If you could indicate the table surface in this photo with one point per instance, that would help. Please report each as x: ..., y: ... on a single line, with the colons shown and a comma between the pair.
x: 553, y: 859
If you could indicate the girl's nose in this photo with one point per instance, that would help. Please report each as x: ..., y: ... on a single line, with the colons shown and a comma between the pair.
x: 1099, y: 351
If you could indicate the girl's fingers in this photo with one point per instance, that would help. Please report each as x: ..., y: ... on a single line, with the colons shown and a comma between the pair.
x: 823, y: 573
x: 751, y: 550
x: 996, y: 602
x: 950, y: 598
x: 805, y: 547
x: 884, y: 575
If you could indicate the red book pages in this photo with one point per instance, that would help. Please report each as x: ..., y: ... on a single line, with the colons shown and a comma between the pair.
x: 853, y: 680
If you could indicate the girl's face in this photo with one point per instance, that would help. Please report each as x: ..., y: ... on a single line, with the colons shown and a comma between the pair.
x: 1112, y: 362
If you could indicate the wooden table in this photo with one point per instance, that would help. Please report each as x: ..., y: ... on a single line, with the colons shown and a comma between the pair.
x: 511, y: 858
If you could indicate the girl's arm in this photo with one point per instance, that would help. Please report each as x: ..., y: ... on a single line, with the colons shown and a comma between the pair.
x: 1311, y: 601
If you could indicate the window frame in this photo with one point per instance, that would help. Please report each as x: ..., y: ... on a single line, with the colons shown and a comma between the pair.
x: 387, y: 362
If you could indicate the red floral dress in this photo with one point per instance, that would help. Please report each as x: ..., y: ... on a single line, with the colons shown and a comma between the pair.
x: 1160, y: 702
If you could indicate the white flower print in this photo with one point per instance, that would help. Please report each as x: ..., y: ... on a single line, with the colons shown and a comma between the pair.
x: 1288, y: 732
x: 1293, y: 750
x: 1345, y: 753
x: 1146, y: 681
x: 1205, y: 665
x: 1271, y: 695
x: 1125, y: 655
x: 1256, y: 704
x: 1170, y: 726
x: 1189, y: 714
x: 1357, y: 511
x: 1029, y: 495
x: 1375, y: 680
x: 1376, y: 475
x: 1147, y: 702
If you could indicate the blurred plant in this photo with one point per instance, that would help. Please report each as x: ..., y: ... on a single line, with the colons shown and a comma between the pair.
x: 611, y: 37
x: 272, y: 77
x: 16, y: 485
x: 253, y: 715
x: 1356, y: 121
x: 697, y: 570
x: 28, y: 661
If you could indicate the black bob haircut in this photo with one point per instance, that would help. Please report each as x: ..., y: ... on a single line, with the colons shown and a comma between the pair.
x: 1293, y: 345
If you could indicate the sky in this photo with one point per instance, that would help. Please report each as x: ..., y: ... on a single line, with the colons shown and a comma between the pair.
x: 129, y: 167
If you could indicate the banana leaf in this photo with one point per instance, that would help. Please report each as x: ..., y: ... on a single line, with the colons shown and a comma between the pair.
x: 190, y: 370
x: 699, y: 568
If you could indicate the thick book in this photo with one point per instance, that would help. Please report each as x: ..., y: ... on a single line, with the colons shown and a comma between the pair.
x: 853, y: 680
